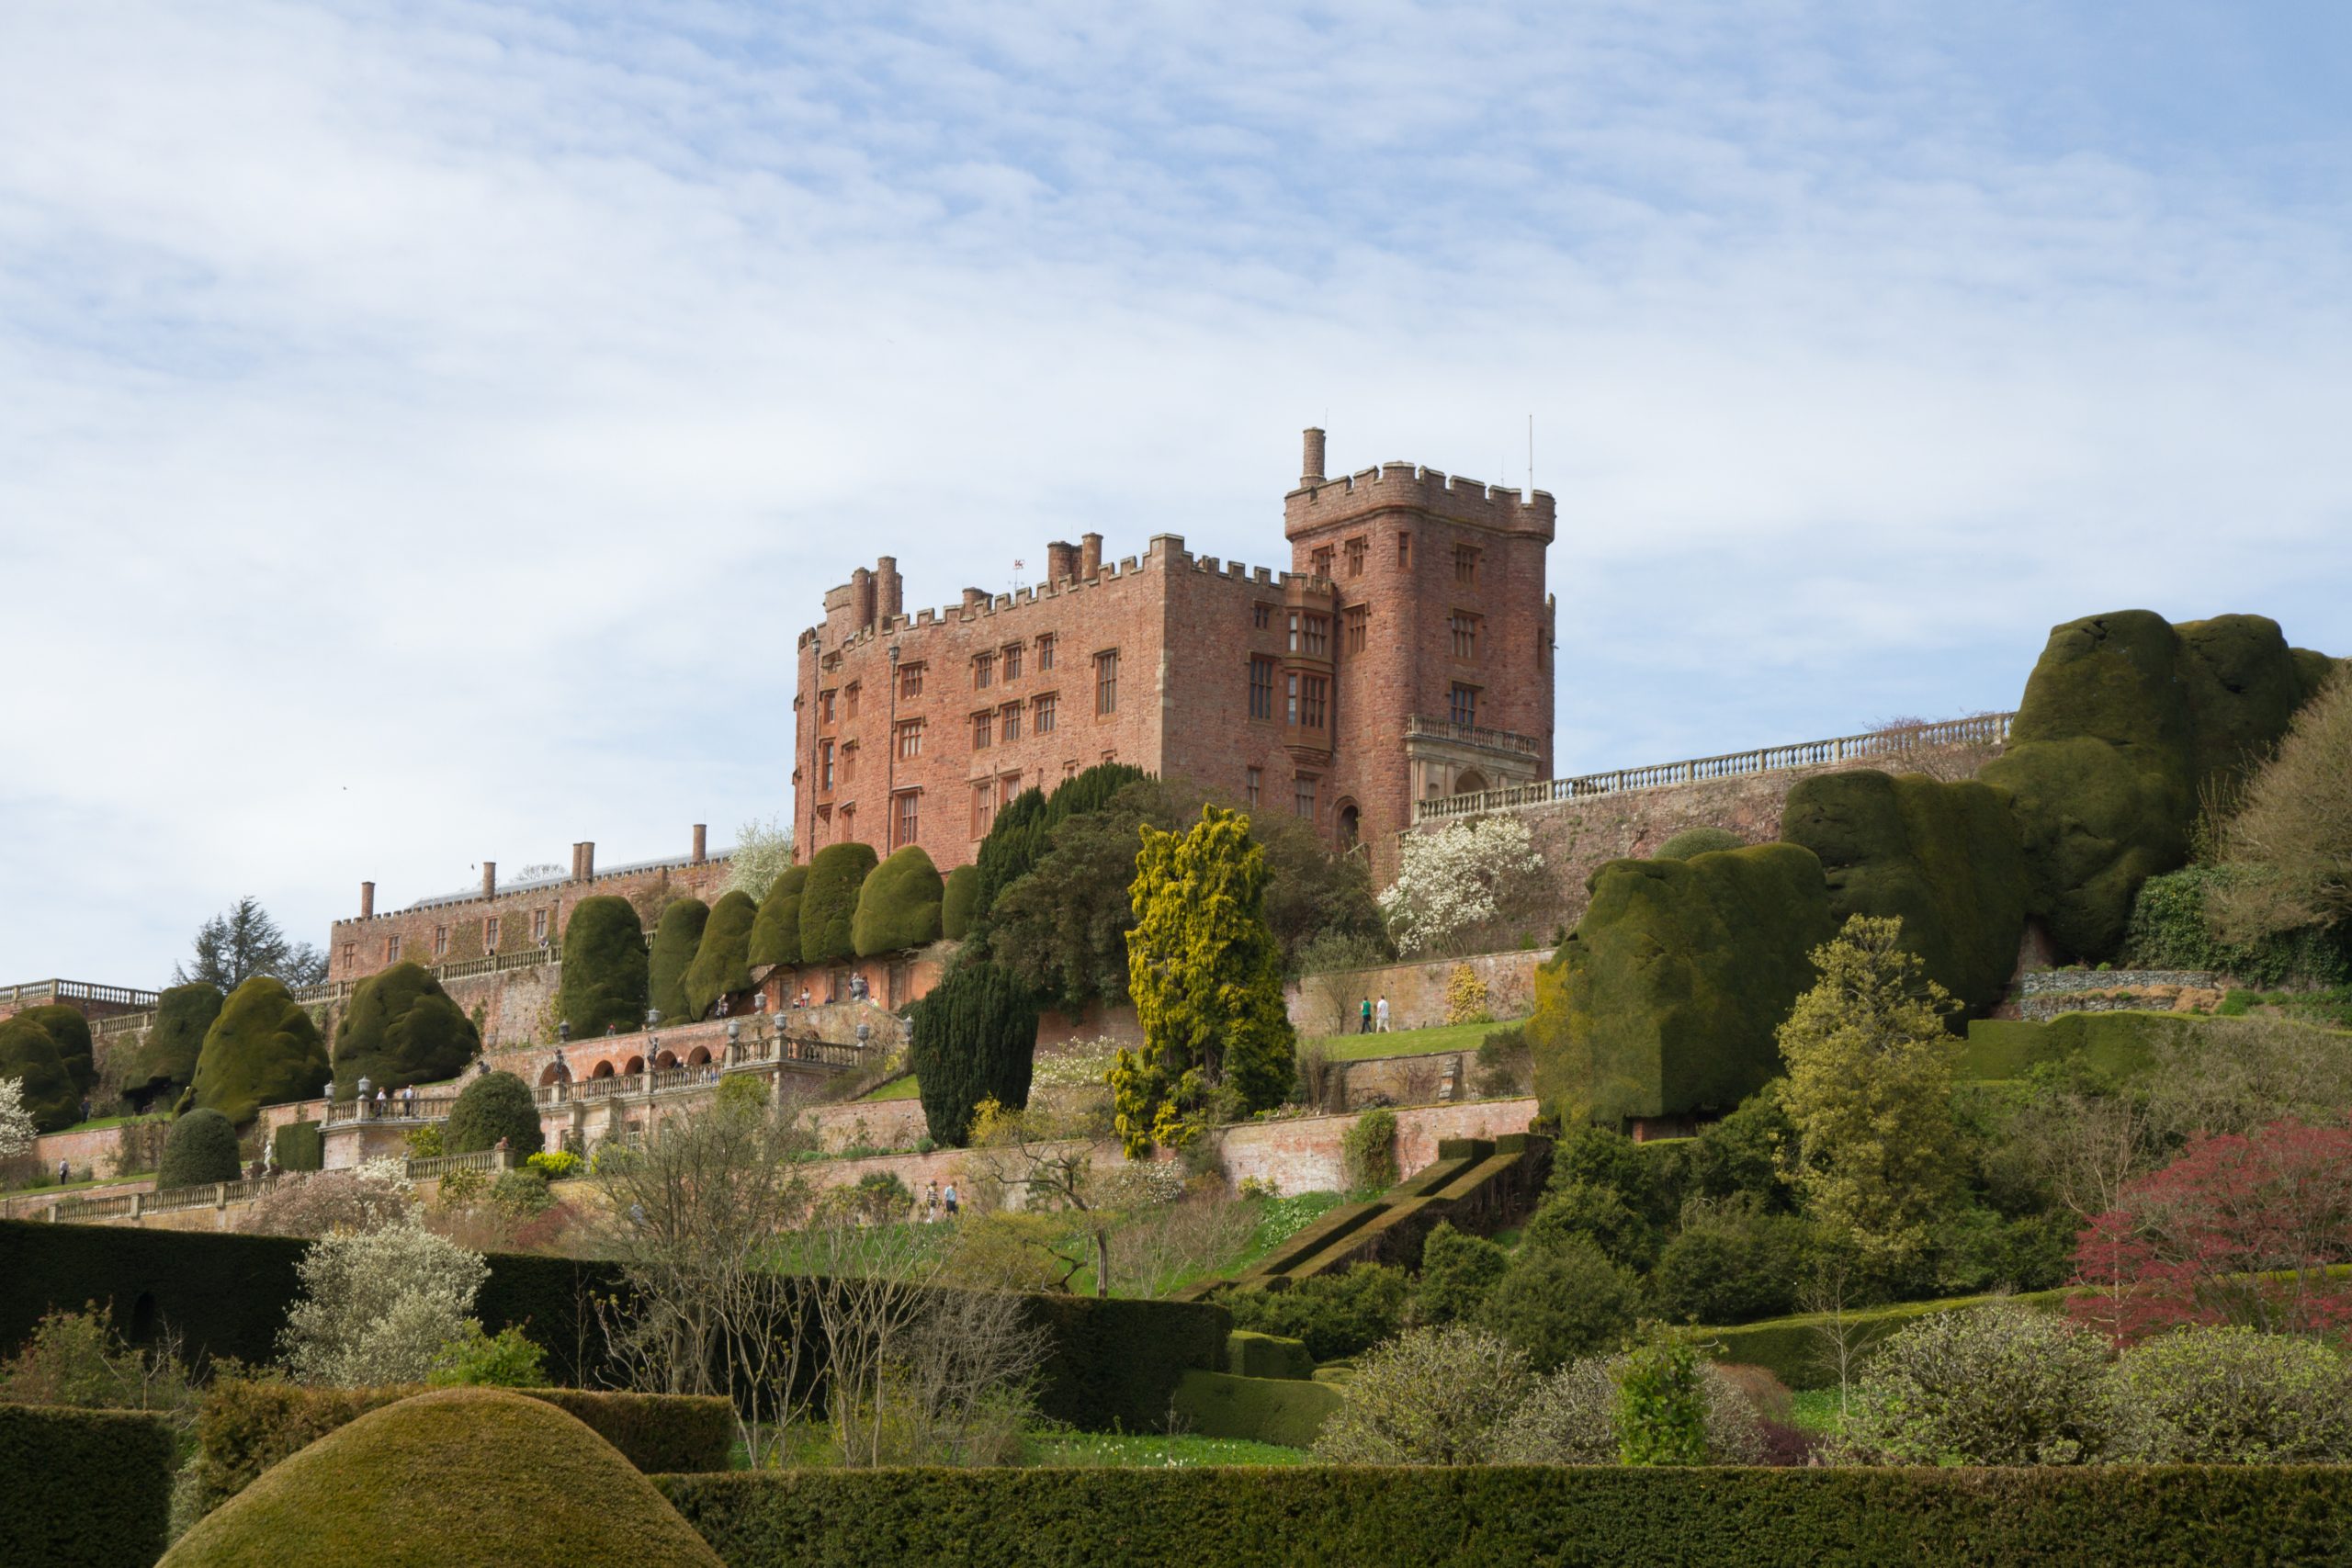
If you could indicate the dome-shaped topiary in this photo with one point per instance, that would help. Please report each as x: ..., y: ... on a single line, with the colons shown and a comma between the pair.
x: 775, y: 935
x: 959, y: 902
x: 605, y: 968
x: 400, y: 1028
x: 829, y: 902
x: 722, y: 964
x: 262, y: 1050
x: 201, y: 1147
x: 494, y: 1106
x: 457, y: 1475
x: 675, y: 941
x: 1699, y: 842
x: 27, y: 1052
x: 71, y: 1032
x: 165, y: 1062
x: 897, y: 906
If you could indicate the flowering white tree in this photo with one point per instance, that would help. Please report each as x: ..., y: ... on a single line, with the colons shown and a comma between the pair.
x: 1462, y: 880
x: 377, y: 1305
x: 16, y: 1122
x: 763, y: 849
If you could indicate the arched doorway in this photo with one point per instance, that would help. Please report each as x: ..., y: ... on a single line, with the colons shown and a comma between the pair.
x: 604, y: 1070
x: 549, y: 1075
x: 633, y: 1066
x: 666, y: 1059
x: 1351, y: 824
x: 1469, y: 781
x: 698, y: 1056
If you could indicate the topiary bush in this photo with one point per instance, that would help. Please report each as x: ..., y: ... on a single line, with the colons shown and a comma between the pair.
x: 29, y: 1054
x: 1335, y: 1315
x: 300, y: 1146
x: 1731, y: 1264
x: 494, y: 1106
x: 262, y: 1050
x: 1698, y: 842
x: 2229, y: 1394
x: 606, y: 968
x: 676, y: 939
x: 398, y: 1027
x: 959, y: 902
x: 201, y: 1149
x: 1458, y: 1271
x: 775, y: 935
x: 71, y: 1032
x: 165, y: 1062
x: 89, y: 1488
x: 899, y: 905
x: 722, y: 963
x: 972, y: 1037
x: 829, y: 902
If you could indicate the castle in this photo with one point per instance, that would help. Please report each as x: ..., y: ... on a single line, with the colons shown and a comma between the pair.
x: 1407, y: 654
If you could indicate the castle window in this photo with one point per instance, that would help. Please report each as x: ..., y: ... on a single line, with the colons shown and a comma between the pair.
x: 824, y: 764
x: 1465, y: 635
x: 1314, y: 693
x: 1318, y: 636
x: 1261, y: 616
x: 1462, y: 706
x: 1302, y: 796
x: 824, y: 707
x: 1355, y: 555
x: 1403, y: 550
x: 1357, y: 616
x: 391, y: 950
x: 849, y: 699
x: 1045, y: 653
x: 1041, y: 721
x: 539, y: 925
x: 1009, y: 722
x: 1012, y: 662
x: 908, y: 819
x: 350, y: 954
x: 1256, y: 785
x: 440, y: 942
x: 983, y: 807
x: 849, y: 762
x: 911, y: 737
x: 910, y: 681
x: 980, y: 726
x: 1466, y: 564
x: 1290, y: 698
x: 1261, y: 687
x: 1106, y: 680
x: 983, y: 670
x: 1293, y: 631
x: 490, y: 935
x: 1323, y: 561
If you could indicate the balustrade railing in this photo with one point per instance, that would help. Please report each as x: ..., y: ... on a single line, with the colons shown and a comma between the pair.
x: 1473, y: 735
x: 413, y: 1113
x: 220, y: 1195
x: 34, y: 991
x: 433, y: 1166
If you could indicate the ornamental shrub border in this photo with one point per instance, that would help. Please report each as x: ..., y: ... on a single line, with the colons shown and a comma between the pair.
x: 86, y: 1488
x: 2152, y: 1517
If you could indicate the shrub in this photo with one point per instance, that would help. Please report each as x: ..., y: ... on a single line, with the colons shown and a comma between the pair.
x: 1335, y: 1315
x: 262, y: 1050
x: 972, y: 1037
x: 605, y: 969
x: 475, y: 1359
x: 1432, y: 1396
x: 1559, y: 1302
x: 1457, y: 1271
x: 1741, y: 1154
x: 378, y: 1306
x: 898, y: 904
x: 166, y: 1061
x: 1599, y: 1214
x: 959, y: 902
x: 829, y: 902
x: 87, y: 1488
x: 775, y: 934
x: 1994, y: 1385
x: 201, y: 1149
x: 1460, y: 884
x: 71, y: 1032
x: 1368, y: 1150
x: 326, y: 1202
x: 299, y: 1145
x: 491, y: 1107
x: 30, y: 1056
x: 2172, y: 928
x: 522, y: 1193
x: 398, y: 1027
x: 561, y: 1165
x: 1731, y: 1263
x: 1698, y: 842
x: 1661, y: 1415
x: 1466, y: 996
x: 2231, y: 1395
x: 1506, y: 1068
x: 675, y: 941
x: 722, y: 963
x: 1571, y: 1416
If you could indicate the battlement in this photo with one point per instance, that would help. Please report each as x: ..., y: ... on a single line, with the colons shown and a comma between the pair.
x: 1318, y: 504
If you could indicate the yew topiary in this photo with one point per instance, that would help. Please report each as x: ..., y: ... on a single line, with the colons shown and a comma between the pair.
x: 721, y: 965
x: 29, y: 1054
x: 676, y: 940
x: 71, y: 1032
x: 400, y: 1028
x: 972, y: 1037
x: 165, y: 1062
x: 494, y: 1106
x: 262, y: 1050
x: 775, y: 935
x: 897, y: 906
x: 605, y: 968
x: 200, y: 1148
x: 1699, y: 842
x: 959, y: 902
x: 829, y: 902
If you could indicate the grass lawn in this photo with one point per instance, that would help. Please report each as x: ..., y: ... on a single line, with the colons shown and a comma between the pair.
x: 1409, y: 1042
x: 97, y: 1122
x: 71, y: 1187
x: 897, y: 1089
x: 1816, y: 1411
x: 1143, y: 1451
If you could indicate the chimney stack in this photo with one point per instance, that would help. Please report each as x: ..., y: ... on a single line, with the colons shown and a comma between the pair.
x: 1090, y: 554
x: 587, y: 860
x: 1311, y: 465
x: 367, y: 900
x: 974, y: 598
x: 891, y: 590
x: 699, y: 840
x: 861, y: 597
x: 1061, y: 561
x: 489, y: 879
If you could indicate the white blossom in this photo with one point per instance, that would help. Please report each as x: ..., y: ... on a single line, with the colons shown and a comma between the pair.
x: 376, y: 1306
x: 16, y: 1122
x: 1451, y: 883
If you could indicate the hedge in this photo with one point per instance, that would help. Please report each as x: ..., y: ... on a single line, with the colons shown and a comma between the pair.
x: 829, y: 902
x: 775, y: 935
x: 676, y: 940
x: 1698, y: 842
x: 200, y: 1147
x: 722, y: 963
x: 248, y: 1424
x: 86, y: 1488
x: 71, y: 1031
x: 262, y: 1050
x: 28, y: 1054
x: 2123, y: 1517
x: 491, y: 1107
x: 605, y: 968
x: 1252, y: 1354
x: 898, y: 904
x: 166, y: 1060
x: 300, y: 1146
x: 400, y: 1028
x: 959, y: 902
x: 1288, y: 1411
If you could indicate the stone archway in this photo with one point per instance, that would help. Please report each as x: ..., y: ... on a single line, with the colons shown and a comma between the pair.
x: 604, y: 1070
x: 1470, y: 781
x: 699, y: 1056
x: 1351, y: 824
x: 665, y: 1060
x: 633, y: 1066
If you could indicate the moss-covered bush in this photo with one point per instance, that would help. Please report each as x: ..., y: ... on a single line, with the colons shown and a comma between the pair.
x: 829, y: 902
x: 300, y: 1146
x: 2170, y: 929
x: 605, y: 968
x: 1335, y: 1315
x: 1699, y: 842
x: 491, y: 1107
x: 959, y: 902
x: 775, y: 935
x: 1944, y: 859
x: 1665, y: 998
x: 899, y: 905
x: 676, y: 939
x: 398, y: 1027
x: 262, y: 1050
x: 2126, y: 721
x: 722, y: 960
x: 27, y: 1052
x: 200, y: 1148
x: 165, y: 1062
x: 71, y: 1031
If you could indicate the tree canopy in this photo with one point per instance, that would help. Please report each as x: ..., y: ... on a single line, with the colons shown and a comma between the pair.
x: 897, y: 906
x: 721, y: 965
x: 775, y: 934
x: 242, y: 942
x: 29, y: 1054
x: 165, y: 1062
x: 829, y: 902
x: 972, y: 1037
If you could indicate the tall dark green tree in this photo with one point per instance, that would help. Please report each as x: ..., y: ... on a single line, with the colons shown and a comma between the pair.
x: 973, y: 1037
x: 959, y: 902
x: 721, y: 965
x: 675, y: 941
x: 400, y: 1028
x: 775, y: 935
x: 165, y: 1062
x: 243, y: 942
x: 829, y: 902
x: 605, y: 968
x: 262, y: 1050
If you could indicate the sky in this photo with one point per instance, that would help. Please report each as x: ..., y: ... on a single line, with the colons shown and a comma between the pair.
x: 424, y: 429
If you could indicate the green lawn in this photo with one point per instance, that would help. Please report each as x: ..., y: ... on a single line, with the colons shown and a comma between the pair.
x: 897, y: 1089
x: 72, y: 1186
x: 1816, y: 1410
x: 1145, y: 1451
x: 1408, y: 1042
x: 96, y: 1122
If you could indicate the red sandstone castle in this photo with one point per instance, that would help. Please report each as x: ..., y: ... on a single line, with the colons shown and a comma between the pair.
x: 1407, y: 653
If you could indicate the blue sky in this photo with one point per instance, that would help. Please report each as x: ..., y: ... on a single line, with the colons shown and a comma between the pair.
x: 424, y: 429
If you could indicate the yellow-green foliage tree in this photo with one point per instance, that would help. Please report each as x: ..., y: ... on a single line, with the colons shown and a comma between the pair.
x: 1869, y: 1093
x: 1206, y: 972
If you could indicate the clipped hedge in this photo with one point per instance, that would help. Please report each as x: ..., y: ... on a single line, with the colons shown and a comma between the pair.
x: 262, y: 1050
x: 1698, y: 842
x: 829, y: 902
x: 605, y: 968
x: 86, y: 1488
x: 959, y: 902
x: 1438, y: 1516
x: 1794, y: 1349
x: 1665, y: 998
x: 165, y: 1062
x: 1248, y: 1354
x: 1287, y: 1411
x: 71, y: 1032
x: 30, y: 1056
x: 200, y: 1147
x: 2169, y: 930
x: 676, y: 940
x: 722, y: 965
x: 493, y: 1106
x: 401, y: 1028
x: 898, y: 904
x: 775, y: 935
x: 300, y: 1146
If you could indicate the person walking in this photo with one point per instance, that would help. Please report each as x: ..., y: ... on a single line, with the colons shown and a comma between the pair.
x: 1380, y: 1013
x: 929, y: 1201
x: 1363, y: 1018
x: 948, y: 1198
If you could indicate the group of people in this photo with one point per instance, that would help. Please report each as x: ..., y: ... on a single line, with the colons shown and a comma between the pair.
x: 1373, y: 1017
x: 934, y: 1200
